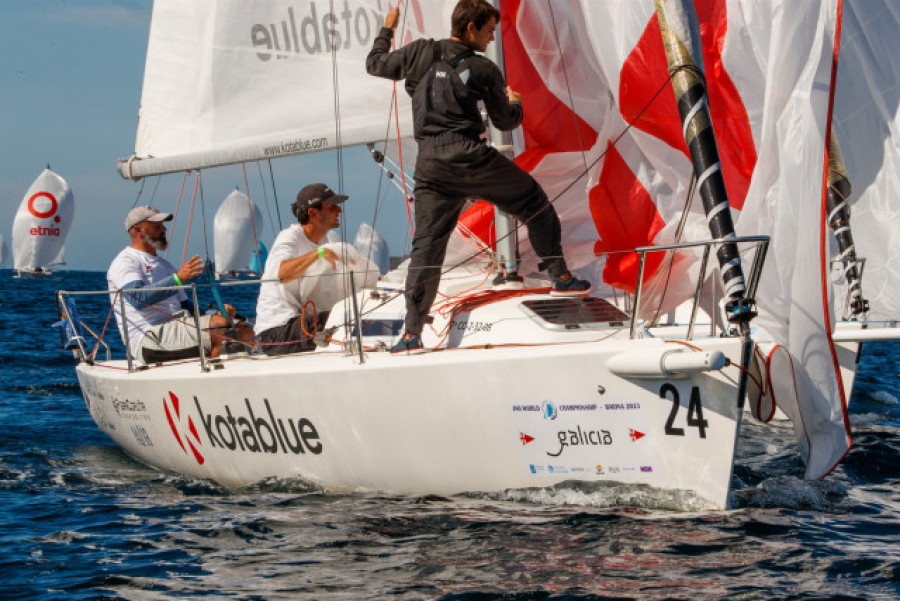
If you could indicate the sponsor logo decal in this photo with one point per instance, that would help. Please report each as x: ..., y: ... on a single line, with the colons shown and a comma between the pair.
x: 317, y: 30
x: 579, y: 437
x: 259, y: 431
x: 39, y: 206
x: 635, y: 435
x: 525, y: 438
x: 549, y: 410
x: 49, y: 211
x: 185, y: 433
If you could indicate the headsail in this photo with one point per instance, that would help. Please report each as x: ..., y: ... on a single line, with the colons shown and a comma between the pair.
x: 42, y: 223
x: 228, y: 81
x: 603, y: 135
x: 867, y: 124
x: 237, y: 229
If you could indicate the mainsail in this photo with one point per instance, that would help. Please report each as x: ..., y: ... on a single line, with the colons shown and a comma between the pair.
x: 237, y: 229
x: 260, y: 68
x: 42, y: 223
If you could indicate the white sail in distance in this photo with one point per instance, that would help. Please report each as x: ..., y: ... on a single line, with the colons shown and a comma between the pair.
x: 373, y: 246
x: 42, y: 223
x: 237, y: 229
x: 4, y: 251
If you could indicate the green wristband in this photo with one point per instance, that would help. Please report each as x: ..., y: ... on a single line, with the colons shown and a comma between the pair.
x: 321, y: 252
x: 177, y: 279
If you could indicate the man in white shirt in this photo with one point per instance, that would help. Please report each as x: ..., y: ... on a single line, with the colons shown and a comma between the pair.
x: 160, y: 323
x: 283, y: 325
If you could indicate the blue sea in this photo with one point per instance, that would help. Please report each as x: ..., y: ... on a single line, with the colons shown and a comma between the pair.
x: 81, y: 520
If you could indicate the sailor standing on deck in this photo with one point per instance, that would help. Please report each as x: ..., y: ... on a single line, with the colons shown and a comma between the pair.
x: 446, y: 80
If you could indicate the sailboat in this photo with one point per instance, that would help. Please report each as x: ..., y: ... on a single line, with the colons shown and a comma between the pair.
x: 522, y: 389
x: 373, y: 246
x: 237, y: 229
x: 4, y: 251
x: 257, y: 263
x: 41, y: 225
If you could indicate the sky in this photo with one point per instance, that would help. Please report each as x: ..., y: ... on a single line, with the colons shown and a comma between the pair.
x: 70, y: 88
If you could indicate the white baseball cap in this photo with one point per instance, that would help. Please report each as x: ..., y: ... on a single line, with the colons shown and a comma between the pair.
x: 141, y: 214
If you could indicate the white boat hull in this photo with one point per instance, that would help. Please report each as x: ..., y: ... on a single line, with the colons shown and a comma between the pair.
x: 443, y: 422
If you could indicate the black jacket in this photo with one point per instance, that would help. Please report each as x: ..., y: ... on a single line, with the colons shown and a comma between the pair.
x: 484, y: 81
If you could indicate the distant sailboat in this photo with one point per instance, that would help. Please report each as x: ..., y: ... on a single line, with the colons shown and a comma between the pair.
x: 4, y: 251
x: 373, y: 246
x: 41, y: 225
x: 235, y: 234
x: 258, y: 259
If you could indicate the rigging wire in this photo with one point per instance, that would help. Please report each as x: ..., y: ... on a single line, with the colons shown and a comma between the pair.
x: 140, y: 191
x: 250, y: 208
x: 275, y: 194
x: 394, y: 113
x: 262, y: 182
x: 175, y: 215
x: 187, y: 234
x: 336, y: 86
x: 203, y: 215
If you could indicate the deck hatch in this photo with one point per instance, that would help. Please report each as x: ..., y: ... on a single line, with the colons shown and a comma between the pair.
x: 577, y: 312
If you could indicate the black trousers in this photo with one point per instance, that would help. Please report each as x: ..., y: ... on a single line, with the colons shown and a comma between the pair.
x: 445, y: 177
x: 290, y: 337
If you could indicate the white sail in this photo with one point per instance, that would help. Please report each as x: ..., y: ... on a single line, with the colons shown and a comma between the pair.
x: 4, y: 251
x: 867, y: 123
x: 275, y: 78
x: 235, y: 233
x: 602, y: 134
x: 373, y: 246
x: 42, y: 223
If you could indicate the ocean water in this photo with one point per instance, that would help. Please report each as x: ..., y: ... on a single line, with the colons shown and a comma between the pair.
x: 81, y: 520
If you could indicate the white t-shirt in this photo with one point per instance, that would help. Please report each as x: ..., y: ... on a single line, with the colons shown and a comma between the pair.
x: 275, y: 305
x: 132, y: 265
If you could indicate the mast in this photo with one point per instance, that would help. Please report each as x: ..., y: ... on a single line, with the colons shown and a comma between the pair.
x: 504, y: 227
x: 680, y: 31
x: 839, y: 220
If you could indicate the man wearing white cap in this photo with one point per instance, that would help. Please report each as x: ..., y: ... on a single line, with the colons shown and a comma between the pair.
x: 160, y: 322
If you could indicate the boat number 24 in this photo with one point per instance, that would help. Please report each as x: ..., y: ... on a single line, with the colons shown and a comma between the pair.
x: 694, y: 411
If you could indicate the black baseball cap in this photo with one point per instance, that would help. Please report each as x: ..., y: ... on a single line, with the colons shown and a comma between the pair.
x: 314, y: 195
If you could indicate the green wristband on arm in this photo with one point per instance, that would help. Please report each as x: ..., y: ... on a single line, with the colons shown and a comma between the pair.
x: 177, y: 279
x: 321, y: 252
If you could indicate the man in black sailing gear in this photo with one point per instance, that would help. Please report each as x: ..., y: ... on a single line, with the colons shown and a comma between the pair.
x: 446, y: 80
